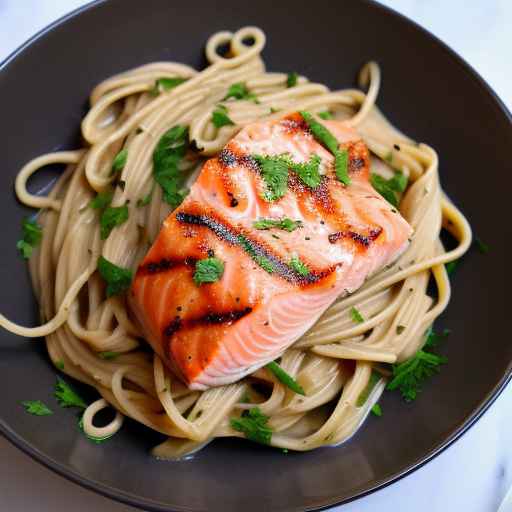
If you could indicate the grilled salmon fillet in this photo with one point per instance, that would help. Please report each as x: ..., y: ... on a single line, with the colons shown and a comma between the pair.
x: 216, y: 333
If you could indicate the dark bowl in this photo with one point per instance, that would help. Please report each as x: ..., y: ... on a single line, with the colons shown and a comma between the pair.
x: 428, y: 91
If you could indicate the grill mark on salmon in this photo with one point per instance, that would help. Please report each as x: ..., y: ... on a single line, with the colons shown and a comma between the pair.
x: 165, y: 264
x: 364, y: 240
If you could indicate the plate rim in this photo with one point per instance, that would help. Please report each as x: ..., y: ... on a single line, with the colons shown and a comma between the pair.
x: 456, y: 433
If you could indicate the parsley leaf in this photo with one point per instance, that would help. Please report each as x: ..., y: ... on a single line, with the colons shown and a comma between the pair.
x: 409, y: 376
x: 325, y: 115
x: 102, y: 200
x: 119, y: 161
x: 239, y: 91
x: 377, y: 410
x: 60, y: 364
x: 481, y: 246
x: 220, y: 117
x: 291, y: 79
x: 308, y: 172
x: 381, y: 185
x: 67, y: 396
x: 94, y: 439
x: 432, y: 338
x: 259, y: 259
x: 118, y: 279
x: 274, y: 171
x: 36, y: 407
x: 285, y: 224
x: 299, y: 266
x: 253, y: 424
x: 111, y: 218
x: 146, y: 199
x: 32, y: 234
x: 166, y: 84
x: 108, y: 356
x: 356, y: 315
x: 329, y: 141
x: 363, y: 396
x: 208, y: 270
x: 169, y: 152
x: 451, y: 266
x: 285, y: 378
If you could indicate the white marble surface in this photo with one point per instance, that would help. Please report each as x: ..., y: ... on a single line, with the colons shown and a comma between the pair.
x: 473, y: 475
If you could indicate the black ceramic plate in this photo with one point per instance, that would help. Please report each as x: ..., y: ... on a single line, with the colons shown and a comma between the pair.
x: 427, y: 91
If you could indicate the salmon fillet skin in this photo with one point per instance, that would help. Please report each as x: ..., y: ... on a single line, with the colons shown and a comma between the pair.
x: 276, y: 281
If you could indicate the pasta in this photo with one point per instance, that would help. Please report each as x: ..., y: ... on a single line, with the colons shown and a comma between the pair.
x: 333, y: 361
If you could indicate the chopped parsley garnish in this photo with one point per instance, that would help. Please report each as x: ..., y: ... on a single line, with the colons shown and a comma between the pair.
x: 94, y: 439
x: 274, y: 171
x: 253, y: 424
x: 291, y: 79
x: 146, y: 199
x: 119, y: 161
x: 32, y: 234
x: 169, y: 152
x: 108, y: 356
x: 239, y: 91
x: 363, y: 396
x: 259, y: 259
x: 285, y: 378
x: 451, y: 266
x: 208, y: 270
x: 400, y: 329
x: 377, y: 410
x: 356, y: 315
x: 111, y: 218
x: 410, y: 375
x: 285, y: 224
x: 60, y: 365
x: 102, y: 200
x: 432, y: 338
x: 274, y: 110
x: 325, y: 115
x: 388, y: 188
x: 329, y: 141
x: 118, y: 279
x: 481, y: 246
x: 166, y: 84
x: 67, y: 396
x: 299, y: 266
x: 36, y: 407
x: 220, y: 117
x: 308, y: 172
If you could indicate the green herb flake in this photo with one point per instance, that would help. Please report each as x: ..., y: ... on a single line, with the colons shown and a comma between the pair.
x: 32, y: 234
x: 432, y: 338
x: 108, y: 356
x: 253, y: 424
x: 451, y: 266
x: 274, y: 171
x: 36, y: 407
x: 285, y: 378
x: 341, y: 166
x: 409, y: 376
x: 168, y: 154
x: 119, y: 161
x: 285, y: 450
x: 67, y: 396
x: 245, y: 398
x: 381, y: 185
x: 166, y: 84
x: 208, y: 270
x: 118, y: 279
x: 363, y: 396
x: 285, y: 224
x: 308, y: 172
x: 400, y: 329
x: 274, y: 110
x: 291, y: 79
x: 112, y: 217
x: 377, y: 410
x: 299, y: 267
x: 259, y: 259
x: 220, y: 117
x: 239, y: 91
x: 326, y: 115
x: 94, y: 439
x: 481, y: 246
x: 60, y: 364
x: 102, y: 200
x: 356, y: 315
x: 146, y: 199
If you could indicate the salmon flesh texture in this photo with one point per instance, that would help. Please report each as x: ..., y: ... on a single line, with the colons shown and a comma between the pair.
x: 216, y: 333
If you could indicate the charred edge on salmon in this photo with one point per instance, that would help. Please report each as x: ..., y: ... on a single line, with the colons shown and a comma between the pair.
x: 229, y: 158
x: 172, y: 328
x: 355, y: 164
x: 253, y: 249
x: 154, y: 267
x: 211, y: 318
x: 364, y: 240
